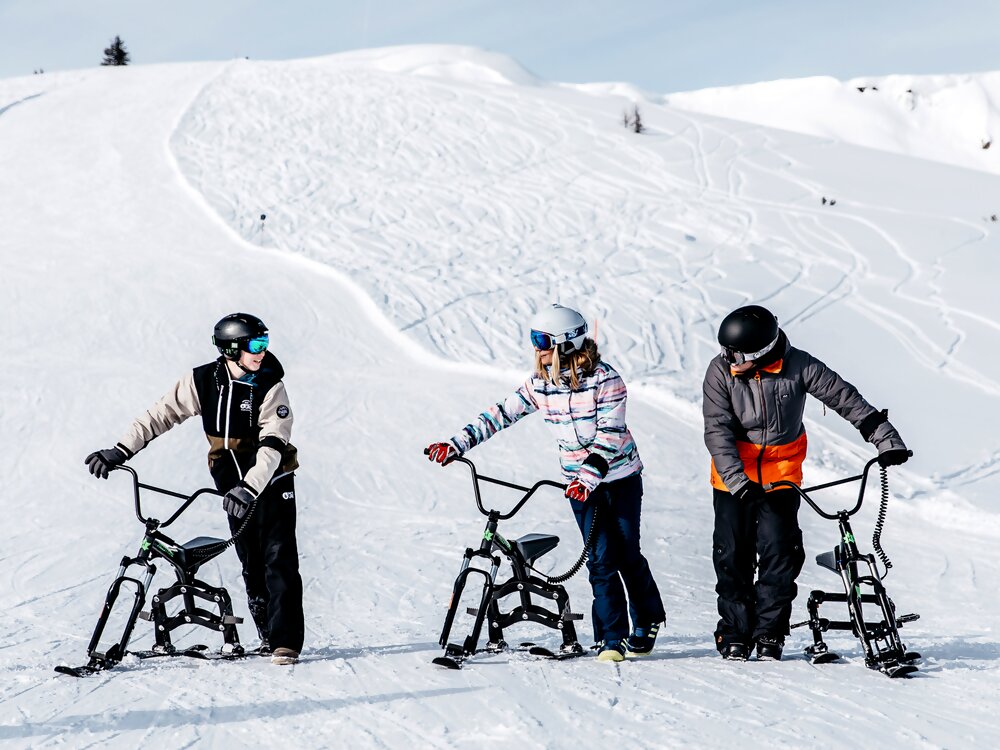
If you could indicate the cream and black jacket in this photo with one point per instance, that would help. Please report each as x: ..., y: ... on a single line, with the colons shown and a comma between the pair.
x: 248, y: 422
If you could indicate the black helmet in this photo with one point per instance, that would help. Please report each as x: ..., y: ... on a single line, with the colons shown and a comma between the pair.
x: 234, y: 332
x: 748, y: 333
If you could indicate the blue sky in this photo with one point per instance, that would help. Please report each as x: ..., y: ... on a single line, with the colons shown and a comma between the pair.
x: 671, y: 45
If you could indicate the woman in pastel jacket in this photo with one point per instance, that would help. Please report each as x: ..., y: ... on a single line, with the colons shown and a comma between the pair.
x: 582, y: 399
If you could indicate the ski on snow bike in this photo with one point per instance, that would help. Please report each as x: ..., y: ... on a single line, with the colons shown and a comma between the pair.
x: 520, y: 554
x: 185, y: 559
x: 879, y: 635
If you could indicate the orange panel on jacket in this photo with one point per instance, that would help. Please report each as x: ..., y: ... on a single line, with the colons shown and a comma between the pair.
x: 778, y: 462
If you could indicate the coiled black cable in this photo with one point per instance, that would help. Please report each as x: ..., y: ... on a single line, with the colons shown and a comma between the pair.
x: 587, y: 545
x: 880, y: 522
x: 212, y: 550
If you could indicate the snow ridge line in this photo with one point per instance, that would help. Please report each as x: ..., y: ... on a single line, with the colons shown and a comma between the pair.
x: 21, y: 101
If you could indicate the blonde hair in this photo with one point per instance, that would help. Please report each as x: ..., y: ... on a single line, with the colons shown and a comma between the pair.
x: 579, y: 363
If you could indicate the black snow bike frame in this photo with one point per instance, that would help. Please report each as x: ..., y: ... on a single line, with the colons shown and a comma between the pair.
x: 884, y: 650
x: 520, y: 553
x: 185, y: 559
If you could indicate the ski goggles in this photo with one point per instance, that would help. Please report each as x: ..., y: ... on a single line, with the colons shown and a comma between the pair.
x: 734, y: 357
x: 257, y: 344
x: 544, y: 341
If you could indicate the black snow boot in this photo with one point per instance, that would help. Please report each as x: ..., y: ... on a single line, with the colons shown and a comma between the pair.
x: 258, y: 611
x: 769, y: 648
x: 735, y: 652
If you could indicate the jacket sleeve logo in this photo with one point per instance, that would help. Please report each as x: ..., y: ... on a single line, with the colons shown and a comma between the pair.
x: 282, y: 411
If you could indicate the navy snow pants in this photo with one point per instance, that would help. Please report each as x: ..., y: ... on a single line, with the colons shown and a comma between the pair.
x: 616, y: 564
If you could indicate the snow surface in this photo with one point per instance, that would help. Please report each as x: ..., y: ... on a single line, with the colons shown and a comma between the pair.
x: 949, y: 118
x: 421, y: 203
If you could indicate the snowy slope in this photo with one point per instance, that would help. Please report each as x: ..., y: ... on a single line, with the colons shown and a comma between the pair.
x: 460, y: 208
x: 946, y: 118
x: 421, y: 203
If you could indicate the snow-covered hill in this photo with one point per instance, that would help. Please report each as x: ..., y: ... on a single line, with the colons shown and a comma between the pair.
x: 421, y: 203
x: 953, y: 119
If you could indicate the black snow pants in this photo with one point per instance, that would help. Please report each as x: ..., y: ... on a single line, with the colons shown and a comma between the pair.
x: 765, y: 535
x: 270, y: 560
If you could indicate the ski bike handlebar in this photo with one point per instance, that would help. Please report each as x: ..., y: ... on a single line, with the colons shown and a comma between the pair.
x: 477, y: 477
x: 188, y: 499
x: 803, y: 493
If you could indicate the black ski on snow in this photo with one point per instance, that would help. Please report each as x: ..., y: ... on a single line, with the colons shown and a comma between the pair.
x: 85, y: 671
x: 555, y: 655
x: 198, y: 651
x: 825, y: 658
x: 902, y: 668
x: 456, y: 659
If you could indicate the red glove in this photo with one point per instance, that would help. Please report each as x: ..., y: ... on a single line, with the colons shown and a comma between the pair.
x: 577, y: 490
x: 442, y: 453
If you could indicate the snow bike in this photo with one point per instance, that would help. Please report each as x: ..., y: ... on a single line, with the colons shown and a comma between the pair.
x: 520, y: 554
x: 879, y: 637
x: 185, y: 559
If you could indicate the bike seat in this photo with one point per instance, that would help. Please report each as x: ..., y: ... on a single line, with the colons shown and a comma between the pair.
x: 828, y: 560
x: 533, y: 546
x: 202, y: 544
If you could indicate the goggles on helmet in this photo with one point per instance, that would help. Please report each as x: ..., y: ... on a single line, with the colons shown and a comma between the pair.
x: 256, y: 345
x: 734, y: 357
x: 544, y: 341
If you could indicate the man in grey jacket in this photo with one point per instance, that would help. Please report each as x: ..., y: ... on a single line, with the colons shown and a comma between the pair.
x: 754, y: 399
x: 248, y: 422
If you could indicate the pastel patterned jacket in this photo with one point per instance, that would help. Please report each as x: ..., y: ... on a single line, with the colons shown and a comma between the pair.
x: 588, y: 422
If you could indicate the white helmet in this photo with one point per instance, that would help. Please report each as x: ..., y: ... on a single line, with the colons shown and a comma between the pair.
x: 558, y: 325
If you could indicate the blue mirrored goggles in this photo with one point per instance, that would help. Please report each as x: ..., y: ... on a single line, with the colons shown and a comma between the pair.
x: 542, y: 341
x: 257, y: 344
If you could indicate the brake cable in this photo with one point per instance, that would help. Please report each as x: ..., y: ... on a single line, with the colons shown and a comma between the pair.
x: 212, y: 550
x: 587, y: 545
x: 880, y: 522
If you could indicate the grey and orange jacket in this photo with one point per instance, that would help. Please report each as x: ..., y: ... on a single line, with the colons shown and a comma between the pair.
x: 248, y: 422
x: 753, y: 424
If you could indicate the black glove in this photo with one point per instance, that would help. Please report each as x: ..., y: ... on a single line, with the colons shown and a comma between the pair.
x: 894, y: 457
x: 102, y: 462
x: 238, y: 501
x: 751, y: 493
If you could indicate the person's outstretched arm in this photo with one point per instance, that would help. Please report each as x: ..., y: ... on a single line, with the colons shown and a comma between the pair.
x: 179, y: 403
x: 498, y: 417
x: 874, y: 425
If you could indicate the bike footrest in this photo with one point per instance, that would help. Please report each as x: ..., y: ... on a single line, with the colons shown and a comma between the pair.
x: 906, y: 618
x: 474, y: 611
x: 571, y: 616
x: 232, y: 620
x: 146, y: 615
